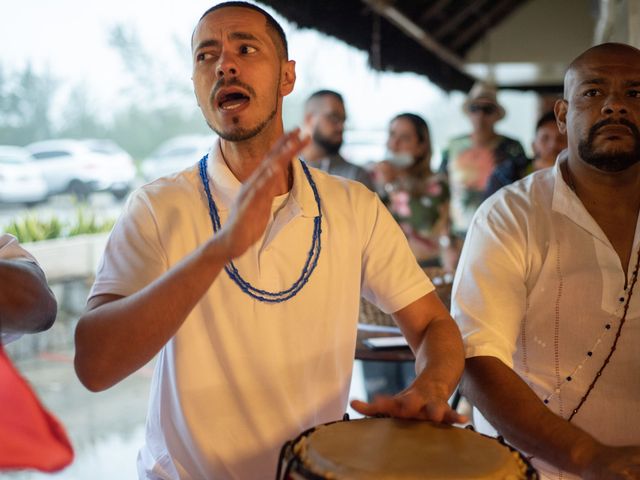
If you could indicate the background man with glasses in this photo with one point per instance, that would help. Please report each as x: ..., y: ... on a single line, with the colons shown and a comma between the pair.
x: 480, y: 163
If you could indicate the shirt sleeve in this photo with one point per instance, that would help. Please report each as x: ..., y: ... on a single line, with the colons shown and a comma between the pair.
x: 134, y: 256
x: 392, y: 278
x: 489, y: 290
x: 10, y: 249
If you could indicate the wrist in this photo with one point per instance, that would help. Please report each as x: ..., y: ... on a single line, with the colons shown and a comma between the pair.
x: 217, y: 250
x: 584, y: 454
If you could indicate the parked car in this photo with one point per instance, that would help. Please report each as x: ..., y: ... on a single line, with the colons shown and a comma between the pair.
x: 176, y: 154
x: 81, y: 167
x: 20, y: 180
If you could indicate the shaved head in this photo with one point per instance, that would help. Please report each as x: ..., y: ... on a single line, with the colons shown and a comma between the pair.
x: 600, y: 111
x: 605, y: 53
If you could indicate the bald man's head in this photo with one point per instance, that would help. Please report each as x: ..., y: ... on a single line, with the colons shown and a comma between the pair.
x: 600, y: 112
x: 605, y: 53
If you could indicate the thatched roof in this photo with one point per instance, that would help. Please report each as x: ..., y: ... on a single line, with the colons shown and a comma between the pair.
x: 428, y: 37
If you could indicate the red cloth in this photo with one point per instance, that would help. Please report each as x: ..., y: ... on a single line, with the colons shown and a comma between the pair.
x: 30, y: 437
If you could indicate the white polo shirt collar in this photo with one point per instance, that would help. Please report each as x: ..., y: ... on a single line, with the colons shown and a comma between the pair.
x: 226, y: 186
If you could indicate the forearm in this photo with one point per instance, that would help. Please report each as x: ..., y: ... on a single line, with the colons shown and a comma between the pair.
x: 26, y: 303
x: 440, y: 356
x: 116, y: 338
x: 521, y: 417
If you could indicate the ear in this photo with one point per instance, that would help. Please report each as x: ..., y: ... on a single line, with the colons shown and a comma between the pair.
x: 560, y: 109
x: 288, y: 77
x: 307, y: 120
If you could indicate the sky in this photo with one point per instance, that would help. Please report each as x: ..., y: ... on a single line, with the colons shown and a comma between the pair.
x: 69, y: 38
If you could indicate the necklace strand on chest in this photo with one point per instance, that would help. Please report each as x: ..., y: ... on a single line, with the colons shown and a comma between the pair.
x: 312, y: 257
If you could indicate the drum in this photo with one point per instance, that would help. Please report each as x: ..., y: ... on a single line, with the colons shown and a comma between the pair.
x: 386, y: 448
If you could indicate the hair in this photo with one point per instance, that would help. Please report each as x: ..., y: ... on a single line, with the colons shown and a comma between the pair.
x: 547, y: 117
x: 319, y: 94
x: 273, y: 27
x: 422, y: 166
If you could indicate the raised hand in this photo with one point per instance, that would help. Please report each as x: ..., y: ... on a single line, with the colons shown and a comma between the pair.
x: 250, y: 212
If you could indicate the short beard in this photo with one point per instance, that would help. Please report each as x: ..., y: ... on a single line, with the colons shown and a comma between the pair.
x: 238, y: 134
x: 330, y: 147
x: 610, y: 162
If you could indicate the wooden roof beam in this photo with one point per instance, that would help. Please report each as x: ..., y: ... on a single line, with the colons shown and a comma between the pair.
x: 412, y: 30
x: 433, y: 10
x: 474, y: 29
x: 458, y: 18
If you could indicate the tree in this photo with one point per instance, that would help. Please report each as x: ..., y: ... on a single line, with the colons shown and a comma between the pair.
x: 26, y: 98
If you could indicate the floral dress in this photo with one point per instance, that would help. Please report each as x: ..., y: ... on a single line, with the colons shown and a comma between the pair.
x: 421, y: 209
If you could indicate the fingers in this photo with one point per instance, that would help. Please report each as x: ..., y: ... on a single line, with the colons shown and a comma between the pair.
x: 280, y: 155
x: 407, y: 407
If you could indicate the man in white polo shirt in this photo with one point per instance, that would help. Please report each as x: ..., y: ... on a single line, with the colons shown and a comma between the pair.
x: 546, y: 293
x: 27, y: 305
x: 245, y: 272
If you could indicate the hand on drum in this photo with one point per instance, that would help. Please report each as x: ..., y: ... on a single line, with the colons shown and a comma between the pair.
x: 410, y: 403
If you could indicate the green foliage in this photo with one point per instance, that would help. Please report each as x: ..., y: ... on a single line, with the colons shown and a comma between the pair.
x: 33, y: 229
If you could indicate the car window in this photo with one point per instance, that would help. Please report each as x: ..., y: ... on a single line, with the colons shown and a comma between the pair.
x: 50, y: 154
x: 104, y: 147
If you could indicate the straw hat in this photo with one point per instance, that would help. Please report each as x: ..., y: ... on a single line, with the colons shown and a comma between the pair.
x: 483, y: 93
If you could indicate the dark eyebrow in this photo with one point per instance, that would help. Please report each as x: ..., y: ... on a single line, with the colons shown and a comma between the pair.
x: 207, y: 43
x: 593, y: 81
x: 232, y: 36
x: 243, y: 36
x: 633, y: 83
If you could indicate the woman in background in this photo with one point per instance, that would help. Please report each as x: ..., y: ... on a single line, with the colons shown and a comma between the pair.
x: 417, y: 198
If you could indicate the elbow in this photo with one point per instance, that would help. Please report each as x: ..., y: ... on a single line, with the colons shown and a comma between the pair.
x: 48, y: 312
x: 90, y: 381
x: 85, y: 363
x: 89, y: 377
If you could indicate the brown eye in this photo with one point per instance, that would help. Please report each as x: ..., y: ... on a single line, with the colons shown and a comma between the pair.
x: 246, y: 49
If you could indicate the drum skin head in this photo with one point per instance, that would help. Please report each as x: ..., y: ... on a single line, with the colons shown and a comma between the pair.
x: 392, y: 449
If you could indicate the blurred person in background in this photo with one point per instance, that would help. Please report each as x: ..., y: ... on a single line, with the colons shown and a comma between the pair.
x: 417, y: 197
x: 480, y: 163
x: 324, y: 119
x: 419, y: 201
x: 548, y: 142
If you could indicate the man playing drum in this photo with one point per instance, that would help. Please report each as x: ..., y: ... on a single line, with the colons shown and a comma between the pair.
x: 255, y: 324
x: 546, y: 293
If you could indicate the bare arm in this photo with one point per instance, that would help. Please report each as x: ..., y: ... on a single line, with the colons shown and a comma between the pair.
x: 26, y: 303
x: 118, y: 335
x: 437, y: 345
x: 519, y: 415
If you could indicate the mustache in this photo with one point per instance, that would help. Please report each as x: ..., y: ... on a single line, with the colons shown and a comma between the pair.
x: 609, y: 121
x: 231, y: 82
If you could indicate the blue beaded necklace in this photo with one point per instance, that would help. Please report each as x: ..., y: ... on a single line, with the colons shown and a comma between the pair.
x: 312, y: 257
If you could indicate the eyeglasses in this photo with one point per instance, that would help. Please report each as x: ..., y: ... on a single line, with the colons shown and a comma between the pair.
x: 487, y: 109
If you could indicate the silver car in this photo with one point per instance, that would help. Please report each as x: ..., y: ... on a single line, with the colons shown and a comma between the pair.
x: 81, y: 167
x: 20, y: 180
x: 176, y: 154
